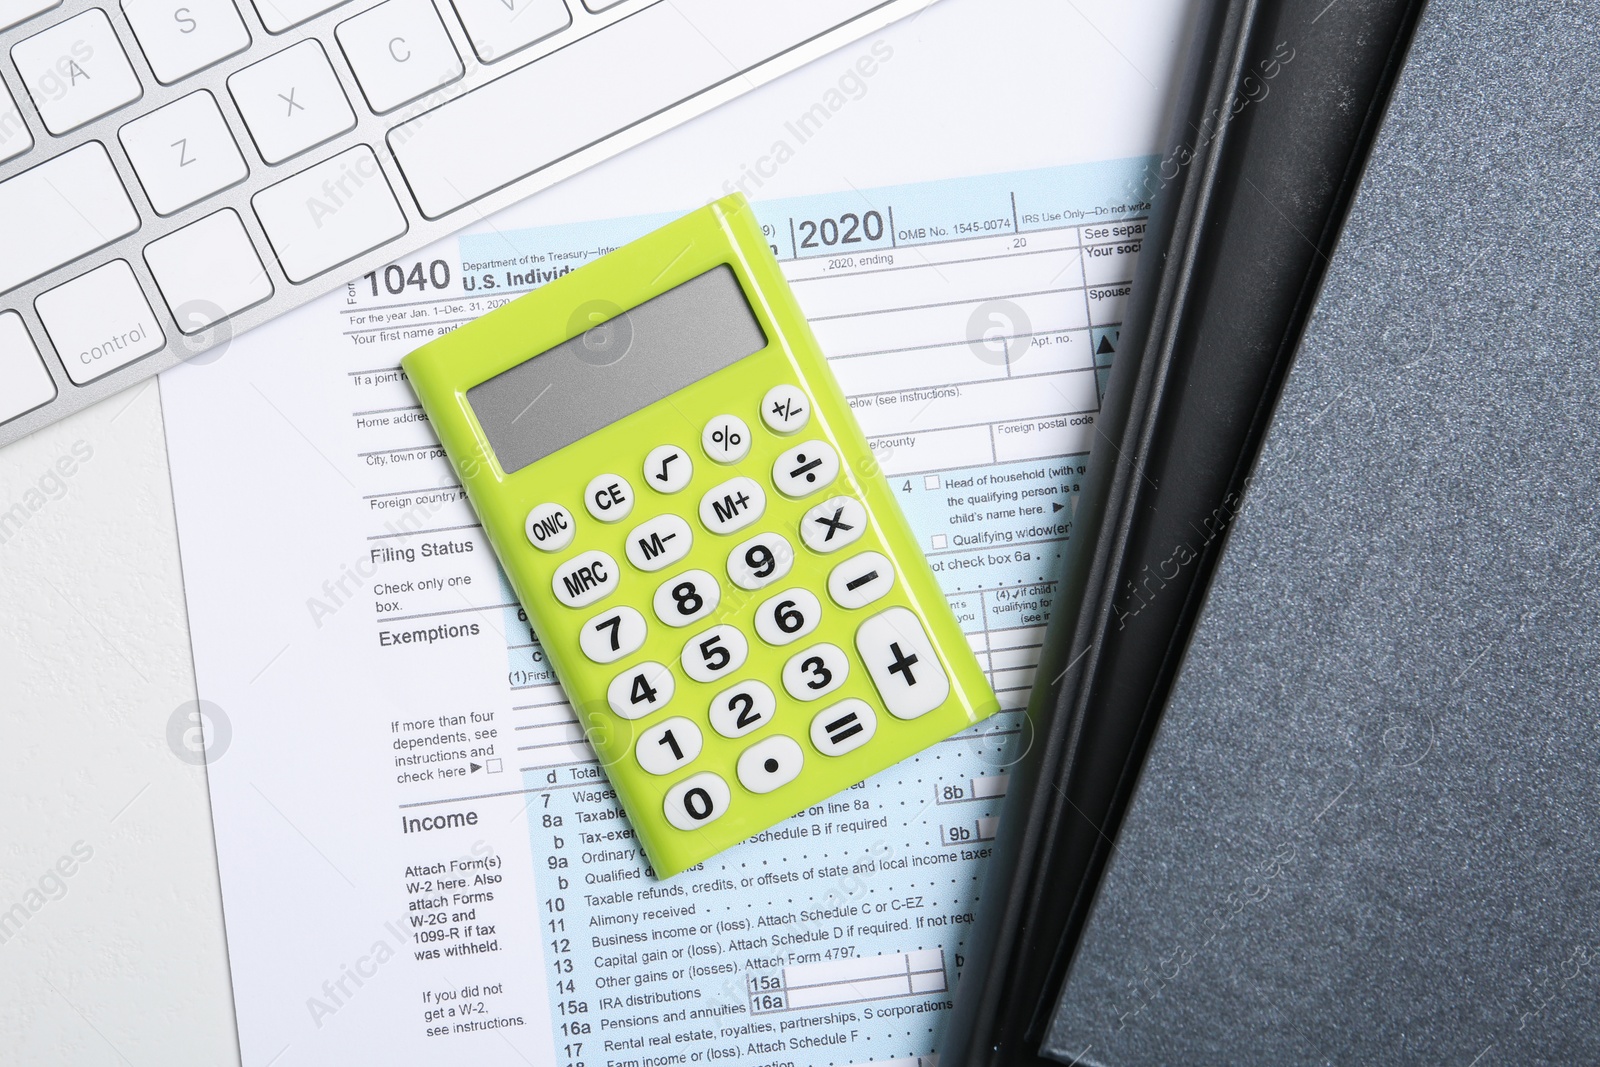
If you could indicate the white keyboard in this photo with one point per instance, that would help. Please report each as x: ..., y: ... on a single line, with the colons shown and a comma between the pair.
x: 173, y: 172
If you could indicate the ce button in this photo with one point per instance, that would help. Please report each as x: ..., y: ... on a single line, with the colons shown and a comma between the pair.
x: 609, y: 497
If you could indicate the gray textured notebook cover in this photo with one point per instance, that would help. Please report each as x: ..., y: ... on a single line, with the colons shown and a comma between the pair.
x: 1369, y: 828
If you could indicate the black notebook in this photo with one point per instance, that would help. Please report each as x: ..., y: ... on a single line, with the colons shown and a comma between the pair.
x: 1367, y: 827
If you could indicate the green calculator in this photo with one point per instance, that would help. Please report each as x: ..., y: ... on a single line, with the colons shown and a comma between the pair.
x: 696, y: 527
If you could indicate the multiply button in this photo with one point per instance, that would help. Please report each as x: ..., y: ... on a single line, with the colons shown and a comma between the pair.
x: 805, y: 468
x: 667, y: 468
x: 785, y: 408
x: 833, y: 524
x: 658, y: 543
x: 771, y: 763
x: 726, y: 439
x: 584, y: 579
x: 608, y: 497
x: 902, y: 663
x: 733, y: 505
x: 697, y: 800
x: 843, y: 727
x: 550, y: 527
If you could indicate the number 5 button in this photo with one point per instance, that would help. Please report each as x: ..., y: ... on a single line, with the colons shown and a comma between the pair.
x: 902, y: 663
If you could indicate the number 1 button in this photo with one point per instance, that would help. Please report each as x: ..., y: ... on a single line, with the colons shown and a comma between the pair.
x: 902, y: 663
x: 668, y: 745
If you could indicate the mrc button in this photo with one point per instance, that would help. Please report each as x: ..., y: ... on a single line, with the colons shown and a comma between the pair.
x: 584, y: 579
x: 550, y: 527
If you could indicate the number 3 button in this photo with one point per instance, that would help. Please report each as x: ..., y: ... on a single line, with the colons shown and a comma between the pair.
x: 816, y: 672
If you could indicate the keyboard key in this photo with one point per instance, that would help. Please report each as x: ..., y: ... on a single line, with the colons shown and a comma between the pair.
x: 860, y: 580
x: 280, y: 15
x: 668, y: 745
x: 805, y: 469
x: 329, y: 214
x: 291, y: 101
x: 459, y: 151
x: 14, y: 136
x: 640, y: 689
x: 183, y: 152
x: 785, y: 408
x: 715, y: 653
x: 612, y: 634
x: 60, y: 210
x: 733, y: 505
x: 585, y: 578
x: 498, y: 28
x: 833, y: 524
x: 399, y: 51
x: 843, y: 727
x: 687, y: 598
x: 667, y: 469
x: 179, y: 37
x: 598, y: 6
x: 208, y: 270
x: 15, y: 11
x: 741, y: 708
x: 770, y: 763
x: 24, y: 381
x: 550, y: 527
x: 76, y: 71
x: 760, y: 561
x: 787, y: 617
x: 100, y: 321
x: 697, y: 800
x: 902, y: 663
x: 815, y: 672
x: 659, y: 543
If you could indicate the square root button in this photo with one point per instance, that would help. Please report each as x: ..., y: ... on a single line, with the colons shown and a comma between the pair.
x: 100, y: 321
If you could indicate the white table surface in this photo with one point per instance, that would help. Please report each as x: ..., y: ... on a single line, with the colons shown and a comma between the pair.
x: 125, y: 961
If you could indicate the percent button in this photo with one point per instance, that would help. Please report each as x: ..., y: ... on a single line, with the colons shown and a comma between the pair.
x: 726, y: 439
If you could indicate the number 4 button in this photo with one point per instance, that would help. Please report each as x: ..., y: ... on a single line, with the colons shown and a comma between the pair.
x: 902, y: 663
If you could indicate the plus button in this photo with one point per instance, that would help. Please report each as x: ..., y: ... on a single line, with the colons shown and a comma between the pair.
x: 902, y: 663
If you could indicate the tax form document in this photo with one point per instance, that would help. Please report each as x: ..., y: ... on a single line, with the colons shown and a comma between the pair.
x: 421, y: 860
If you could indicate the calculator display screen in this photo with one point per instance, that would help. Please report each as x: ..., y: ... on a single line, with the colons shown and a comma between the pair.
x: 626, y: 361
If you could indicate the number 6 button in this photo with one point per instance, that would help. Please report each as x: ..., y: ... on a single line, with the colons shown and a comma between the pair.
x: 668, y: 745
x: 788, y: 617
x: 697, y: 800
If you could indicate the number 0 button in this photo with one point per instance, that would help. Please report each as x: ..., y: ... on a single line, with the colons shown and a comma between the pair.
x: 697, y: 800
x: 668, y: 745
x: 766, y: 765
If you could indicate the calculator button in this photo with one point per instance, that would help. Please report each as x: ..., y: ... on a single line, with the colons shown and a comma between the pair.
x: 726, y: 439
x: 833, y: 524
x: 609, y: 497
x: 550, y: 527
x: 716, y: 653
x: 733, y: 505
x: 742, y: 708
x: 805, y: 468
x: 788, y: 617
x: 771, y: 763
x: 760, y: 561
x: 843, y: 727
x: 902, y: 663
x: 668, y: 745
x: 687, y: 598
x: 697, y: 800
x: 667, y: 468
x: 584, y: 579
x: 860, y: 580
x: 815, y: 672
x: 612, y: 634
x: 640, y: 689
x: 785, y: 408
x: 661, y: 542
